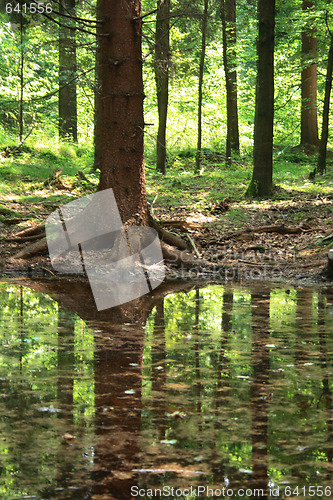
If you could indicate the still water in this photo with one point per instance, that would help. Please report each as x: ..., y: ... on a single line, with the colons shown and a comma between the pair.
x: 217, y: 392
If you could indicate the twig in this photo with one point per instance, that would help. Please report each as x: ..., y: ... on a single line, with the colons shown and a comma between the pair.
x: 23, y: 140
x: 48, y: 270
x: 152, y: 204
x: 146, y: 15
x: 193, y: 246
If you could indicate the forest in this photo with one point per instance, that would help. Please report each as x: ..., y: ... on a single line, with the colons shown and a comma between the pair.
x: 194, y: 135
x: 228, y: 127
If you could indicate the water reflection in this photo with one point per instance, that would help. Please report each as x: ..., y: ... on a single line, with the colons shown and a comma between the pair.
x: 225, y: 388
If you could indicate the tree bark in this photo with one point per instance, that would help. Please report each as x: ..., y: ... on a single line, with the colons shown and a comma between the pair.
x: 67, y: 103
x: 309, y: 121
x: 98, y: 126
x: 201, y: 74
x: 260, y: 391
x: 321, y: 166
x: 262, y: 177
x: 229, y: 62
x: 162, y: 58
x: 120, y: 114
x: 21, y: 78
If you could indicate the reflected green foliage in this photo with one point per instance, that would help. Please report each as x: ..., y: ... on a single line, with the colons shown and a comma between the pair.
x: 236, y: 391
x: 209, y: 419
x: 34, y: 379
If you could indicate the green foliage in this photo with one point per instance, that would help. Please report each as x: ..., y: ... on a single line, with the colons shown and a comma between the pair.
x: 40, y: 54
x: 24, y: 173
x: 181, y: 188
x: 37, y: 46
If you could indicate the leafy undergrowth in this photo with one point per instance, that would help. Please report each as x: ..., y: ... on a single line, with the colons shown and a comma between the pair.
x: 211, y: 204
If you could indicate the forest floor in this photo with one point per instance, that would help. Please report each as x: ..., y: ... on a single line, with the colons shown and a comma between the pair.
x: 285, y: 238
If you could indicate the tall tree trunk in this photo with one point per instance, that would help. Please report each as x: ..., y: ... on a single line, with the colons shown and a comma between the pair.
x: 21, y: 78
x: 162, y: 57
x: 120, y: 114
x: 98, y: 126
x: 229, y: 62
x: 309, y: 122
x: 262, y: 177
x: 321, y: 166
x: 201, y: 74
x: 260, y: 387
x: 67, y: 72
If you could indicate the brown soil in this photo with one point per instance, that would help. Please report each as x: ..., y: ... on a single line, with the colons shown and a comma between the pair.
x: 252, y: 254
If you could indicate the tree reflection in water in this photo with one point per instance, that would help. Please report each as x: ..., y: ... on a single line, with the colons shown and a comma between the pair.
x: 222, y: 386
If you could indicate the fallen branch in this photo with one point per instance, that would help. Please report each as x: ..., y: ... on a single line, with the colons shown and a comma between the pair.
x: 183, y: 224
x: 30, y: 231
x: 281, y: 229
x: 27, y: 238
x: 39, y: 246
x: 193, y: 246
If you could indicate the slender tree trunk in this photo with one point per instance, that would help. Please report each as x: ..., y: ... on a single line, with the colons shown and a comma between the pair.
x: 159, y: 373
x: 262, y: 178
x: 309, y: 121
x: 229, y: 62
x: 120, y: 114
x: 67, y: 82
x: 162, y: 57
x: 321, y: 166
x: 201, y: 74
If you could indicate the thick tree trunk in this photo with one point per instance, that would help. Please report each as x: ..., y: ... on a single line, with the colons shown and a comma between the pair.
x: 309, y: 121
x: 262, y: 178
x: 67, y: 82
x: 201, y: 74
x: 229, y: 62
x: 321, y: 166
x: 120, y: 114
x: 162, y: 57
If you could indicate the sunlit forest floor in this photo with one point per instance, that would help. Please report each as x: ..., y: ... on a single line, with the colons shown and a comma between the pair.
x: 285, y: 237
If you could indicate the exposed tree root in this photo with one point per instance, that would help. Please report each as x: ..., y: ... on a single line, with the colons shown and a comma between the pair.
x: 176, y: 257
x: 166, y: 236
x: 174, y: 248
